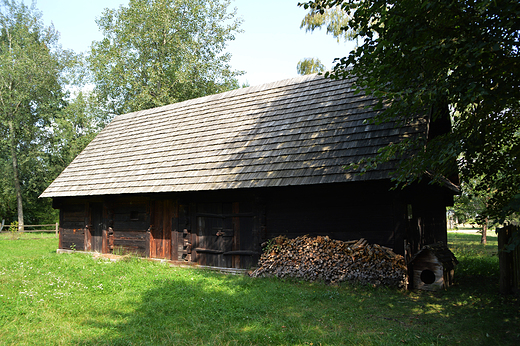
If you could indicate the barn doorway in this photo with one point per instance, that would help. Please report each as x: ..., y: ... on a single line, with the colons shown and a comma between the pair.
x: 160, y: 231
x: 215, y: 234
x: 224, y: 235
x: 96, y: 227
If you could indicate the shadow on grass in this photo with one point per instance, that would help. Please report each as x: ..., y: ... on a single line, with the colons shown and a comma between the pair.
x: 205, y: 308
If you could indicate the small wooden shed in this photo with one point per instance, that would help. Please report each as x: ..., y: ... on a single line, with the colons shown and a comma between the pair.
x: 206, y: 181
x: 432, y: 268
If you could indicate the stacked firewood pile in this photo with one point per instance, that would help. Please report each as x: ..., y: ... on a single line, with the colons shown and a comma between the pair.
x: 332, y: 261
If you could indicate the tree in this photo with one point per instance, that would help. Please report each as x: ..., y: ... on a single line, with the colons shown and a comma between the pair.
x: 434, y: 57
x: 31, y: 67
x: 309, y: 66
x: 334, y: 19
x: 158, y: 52
x: 470, y: 206
x: 73, y: 129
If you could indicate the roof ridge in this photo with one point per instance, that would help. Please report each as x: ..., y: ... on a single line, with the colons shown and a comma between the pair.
x: 225, y: 94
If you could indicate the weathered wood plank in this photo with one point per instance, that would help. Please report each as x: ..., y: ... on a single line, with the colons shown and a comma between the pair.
x: 133, y: 225
x: 130, y: 234
x: 72, y: 239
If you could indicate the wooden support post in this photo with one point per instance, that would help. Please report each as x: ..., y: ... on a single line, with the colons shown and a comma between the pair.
x: 505, y: 261
x: 57, y: 226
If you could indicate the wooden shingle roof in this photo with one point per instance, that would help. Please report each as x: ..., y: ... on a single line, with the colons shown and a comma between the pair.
x: 294, y: 132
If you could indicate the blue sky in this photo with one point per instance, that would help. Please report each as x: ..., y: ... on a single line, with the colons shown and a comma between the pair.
x: 268, y: 50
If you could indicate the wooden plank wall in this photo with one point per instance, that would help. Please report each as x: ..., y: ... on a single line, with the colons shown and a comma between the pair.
x: 226, y: 228
x: 181, y: 233
x: 72, y: 226
x: 128, y: 221
x: 359, y: 211
x: 427, y: 219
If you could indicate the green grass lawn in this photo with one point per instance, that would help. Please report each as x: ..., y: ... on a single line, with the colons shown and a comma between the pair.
x: 70, y: 299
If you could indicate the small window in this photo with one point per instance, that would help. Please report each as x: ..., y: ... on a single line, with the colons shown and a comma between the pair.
x: 134, y: 215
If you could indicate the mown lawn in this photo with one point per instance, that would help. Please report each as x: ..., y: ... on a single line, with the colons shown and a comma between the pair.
x: 70, y: 299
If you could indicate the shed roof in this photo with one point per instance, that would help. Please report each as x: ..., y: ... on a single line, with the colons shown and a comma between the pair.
x: 297, y: 131
x: 440, y: 251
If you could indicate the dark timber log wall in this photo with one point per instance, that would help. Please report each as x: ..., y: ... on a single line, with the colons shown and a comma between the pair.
x: 344, y: 213
x: 129, y: 221
x: 72, y: 226
x: 226, y: 228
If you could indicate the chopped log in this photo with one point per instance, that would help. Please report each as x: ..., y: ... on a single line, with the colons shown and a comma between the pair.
x: 322, y: 258
x: 360, y: 244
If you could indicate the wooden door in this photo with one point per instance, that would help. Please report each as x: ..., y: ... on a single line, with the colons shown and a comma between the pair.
x: 96, y: 227
x: 160, y: 229
x: 225, y: 236
x: 215, y: 237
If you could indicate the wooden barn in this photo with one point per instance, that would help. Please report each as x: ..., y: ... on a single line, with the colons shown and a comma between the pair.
x: 208, y: 180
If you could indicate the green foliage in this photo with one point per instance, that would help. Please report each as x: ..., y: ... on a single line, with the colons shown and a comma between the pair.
x: 334, y: 19
x: 41, y: 128
x: 158, y: 52
x: 470, y: 206
x: 310, y: 66
x: 73, y: 128
x: 71, y: 299
x: 31, y: 71
x: 429, y: 58
x: 13, y: 227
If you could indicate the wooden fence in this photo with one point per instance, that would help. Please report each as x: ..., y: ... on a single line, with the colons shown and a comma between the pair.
x: 36, y: 228
x: 509, y: 258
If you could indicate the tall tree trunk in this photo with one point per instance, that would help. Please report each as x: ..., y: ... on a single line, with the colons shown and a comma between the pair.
x: 17, y: 187
x: 483, y: 239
